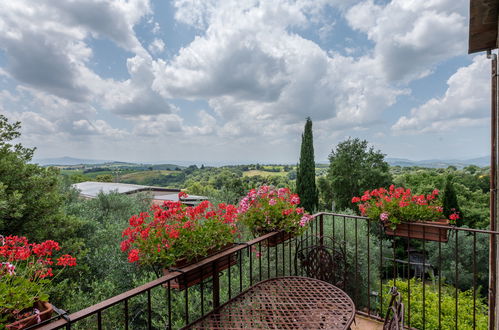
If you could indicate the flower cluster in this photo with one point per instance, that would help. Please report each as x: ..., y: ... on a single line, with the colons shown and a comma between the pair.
x: 269, y: 209
x: 173, y: 231
x: 26, y: 269
x: 397, y: 205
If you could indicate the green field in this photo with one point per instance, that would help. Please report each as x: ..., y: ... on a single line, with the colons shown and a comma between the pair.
x: 263, y: 173
x: 141, y: 176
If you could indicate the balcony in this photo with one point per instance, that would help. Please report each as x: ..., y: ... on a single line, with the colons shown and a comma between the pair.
x: 443, y: 284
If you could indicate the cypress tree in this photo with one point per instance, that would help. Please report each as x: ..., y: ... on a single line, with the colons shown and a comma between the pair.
x: 450, y: 204
x: 305, y: 176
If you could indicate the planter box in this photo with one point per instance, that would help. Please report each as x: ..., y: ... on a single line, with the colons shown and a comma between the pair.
x: 46, y: 311
x: 199, y: 274
x: 281, y: 237
x: 412, y: 230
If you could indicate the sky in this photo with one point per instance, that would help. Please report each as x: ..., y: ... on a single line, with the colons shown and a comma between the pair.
x: 234, y: 80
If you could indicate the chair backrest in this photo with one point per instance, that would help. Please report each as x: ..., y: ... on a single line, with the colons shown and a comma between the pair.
x: 321, y: 260
x: 394, y: 319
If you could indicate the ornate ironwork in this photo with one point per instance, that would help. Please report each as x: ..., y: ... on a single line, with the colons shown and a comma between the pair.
x: 325, y: 259
x: 394, y: 319
x: 284, y: 303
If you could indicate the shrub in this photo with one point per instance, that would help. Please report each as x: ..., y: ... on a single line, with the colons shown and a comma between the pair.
x: 431, y: 298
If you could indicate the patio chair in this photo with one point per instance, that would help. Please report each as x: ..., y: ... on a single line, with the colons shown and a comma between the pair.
x: 322, y: 258
x: 394, y: 319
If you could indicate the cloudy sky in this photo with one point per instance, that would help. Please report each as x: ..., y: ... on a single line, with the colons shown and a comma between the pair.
x: 233, y: 80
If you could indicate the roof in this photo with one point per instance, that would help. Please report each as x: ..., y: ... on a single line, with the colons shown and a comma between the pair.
x: 483, y: 28
x: 92, y: 189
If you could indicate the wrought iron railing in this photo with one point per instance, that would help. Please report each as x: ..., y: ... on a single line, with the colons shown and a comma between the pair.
x: 371, y: 263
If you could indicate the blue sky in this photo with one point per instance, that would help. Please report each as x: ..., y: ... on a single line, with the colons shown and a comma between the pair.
x: 233, y: 81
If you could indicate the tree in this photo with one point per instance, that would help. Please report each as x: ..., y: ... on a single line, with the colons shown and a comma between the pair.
x: 450, y: 203
x: 325, y: 193
x: 354, y: 168
x: 305, y: 178
x: 104, y: 178
x: 30, y: 198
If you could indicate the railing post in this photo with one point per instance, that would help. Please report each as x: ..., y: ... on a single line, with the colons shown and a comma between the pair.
x: 493, y: 319
x: 321, y: 229
x: 216, y: 286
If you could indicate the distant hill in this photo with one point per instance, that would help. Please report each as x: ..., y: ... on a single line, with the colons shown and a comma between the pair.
x: 68, y: 161
x: 96, y: 164
x: 432, y: 163
x: 440, y: 163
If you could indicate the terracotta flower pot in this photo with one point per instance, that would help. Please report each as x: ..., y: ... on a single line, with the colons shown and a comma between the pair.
x: 406, y: 229
x: 46, y: 311
x: 198, y: 274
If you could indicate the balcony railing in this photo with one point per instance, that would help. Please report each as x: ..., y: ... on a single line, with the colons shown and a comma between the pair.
x: 444, y: 284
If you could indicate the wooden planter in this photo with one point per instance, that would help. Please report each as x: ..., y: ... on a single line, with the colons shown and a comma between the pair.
x: 198, y: 274
x: 281, y: 237
x: 46, y: 311
x: 427, y: 233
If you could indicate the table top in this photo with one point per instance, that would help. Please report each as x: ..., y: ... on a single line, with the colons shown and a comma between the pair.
x: 284, y: 303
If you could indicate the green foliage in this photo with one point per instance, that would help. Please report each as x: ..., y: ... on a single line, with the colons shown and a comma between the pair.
x: 228, y: 184
x: 429, y: 311
x: 16, y: 295
x: 305, y: 178
x: 472, y: 190
x: 325, y: 193
x: 103, y: 270
x: 461, y: 258
x: 104, y: 178
x: 355, y: 168
x: 450, y: 203
x: 362, y: 256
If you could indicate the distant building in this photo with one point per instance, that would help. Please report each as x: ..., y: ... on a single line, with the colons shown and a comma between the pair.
x: 91, y: 189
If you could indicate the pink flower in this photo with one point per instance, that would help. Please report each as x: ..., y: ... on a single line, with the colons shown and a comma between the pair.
x: 383, y: 216
x: 305, y: 219
x: 11, y: 269
x: 295, y: 199
x: 272, y: 201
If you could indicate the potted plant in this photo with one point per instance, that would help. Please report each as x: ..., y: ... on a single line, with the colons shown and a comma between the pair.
x: 396, y: 208
x: 268, y: 209
x: 26, y: 271
x: 173, y: 236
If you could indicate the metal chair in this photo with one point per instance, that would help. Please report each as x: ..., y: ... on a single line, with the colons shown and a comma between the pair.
x: 323, y: 259
x: 394, y: 319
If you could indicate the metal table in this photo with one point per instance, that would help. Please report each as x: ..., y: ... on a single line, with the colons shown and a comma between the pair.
x: 284, y: 303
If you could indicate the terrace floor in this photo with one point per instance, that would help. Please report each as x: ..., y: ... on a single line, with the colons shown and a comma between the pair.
x: 363, y: 323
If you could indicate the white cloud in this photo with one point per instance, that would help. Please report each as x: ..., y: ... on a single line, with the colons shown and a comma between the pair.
x: 157, y: 46
x: 134, y: 96
x: 158, y: 125
x: 156, y: 28
x: 97, y: 127
x: 411, y: 37
x: 464, y: 104
x: 260, y: 78
x: 208, y: 125
x: 45, y: 42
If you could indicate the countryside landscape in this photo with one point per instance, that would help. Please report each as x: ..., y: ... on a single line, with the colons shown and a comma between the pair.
x: 227, y: 164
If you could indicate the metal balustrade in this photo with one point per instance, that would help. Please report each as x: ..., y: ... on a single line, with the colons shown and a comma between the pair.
x: 372, y: 263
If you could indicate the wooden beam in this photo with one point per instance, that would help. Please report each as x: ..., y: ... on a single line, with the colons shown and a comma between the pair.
x: 484, y: 21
